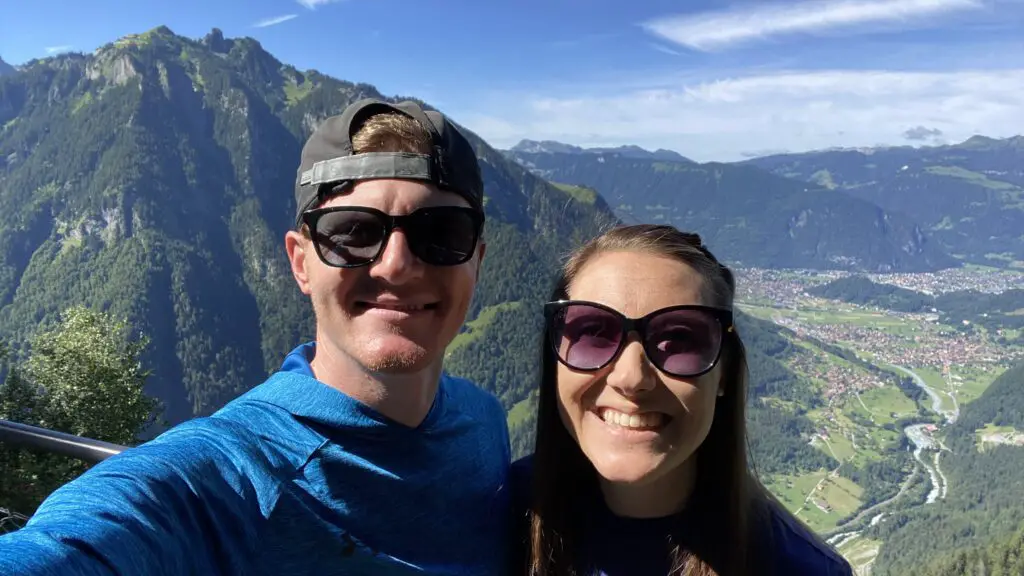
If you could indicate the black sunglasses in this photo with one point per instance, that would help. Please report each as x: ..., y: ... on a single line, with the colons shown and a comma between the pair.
x: 353, y: 236
x: 683, y: 341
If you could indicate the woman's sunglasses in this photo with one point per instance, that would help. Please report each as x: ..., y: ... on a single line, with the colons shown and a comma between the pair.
x: 682, y: 341
x: 353, y: 236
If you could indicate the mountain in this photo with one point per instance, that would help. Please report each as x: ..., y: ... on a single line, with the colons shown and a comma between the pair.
x: 154, y: 178
x: 968, y: 197
x: 749, y: 217
x: 985, y: 472
x: 5, y: 68
x: 1000, y: 558
x: 550, y: 146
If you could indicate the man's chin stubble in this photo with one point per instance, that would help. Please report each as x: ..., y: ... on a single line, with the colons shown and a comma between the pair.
x: 406, y: 362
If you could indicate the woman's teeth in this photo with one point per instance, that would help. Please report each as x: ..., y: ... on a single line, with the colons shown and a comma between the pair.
x: 638, y: 421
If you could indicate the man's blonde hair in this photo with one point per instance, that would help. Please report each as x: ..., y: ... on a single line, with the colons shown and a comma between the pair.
x: 391, y: 132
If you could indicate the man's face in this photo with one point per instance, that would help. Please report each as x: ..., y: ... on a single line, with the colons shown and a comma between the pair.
x: 397, y: 314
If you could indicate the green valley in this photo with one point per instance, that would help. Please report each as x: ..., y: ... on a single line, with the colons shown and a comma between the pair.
x: 887, y: 433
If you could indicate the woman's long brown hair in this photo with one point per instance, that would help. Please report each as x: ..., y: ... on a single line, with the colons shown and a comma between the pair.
x: 565, y: 483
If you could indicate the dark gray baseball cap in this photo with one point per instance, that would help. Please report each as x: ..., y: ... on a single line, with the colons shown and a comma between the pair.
x: 328, y: 160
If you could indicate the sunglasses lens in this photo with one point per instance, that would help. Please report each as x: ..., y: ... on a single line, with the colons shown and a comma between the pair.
x: 683, y: 342
x: 349, y: 238
x: 443, y: 236
x: 585, y: 337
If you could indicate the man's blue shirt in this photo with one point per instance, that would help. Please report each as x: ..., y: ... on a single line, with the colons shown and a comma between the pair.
x: 293, y: 477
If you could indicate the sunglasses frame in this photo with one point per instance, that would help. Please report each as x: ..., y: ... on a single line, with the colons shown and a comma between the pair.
x: 311, y: 217
x: 724, y: 316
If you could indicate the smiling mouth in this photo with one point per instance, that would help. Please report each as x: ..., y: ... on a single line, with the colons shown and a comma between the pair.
x: 396, y: 307
x: 644, y: 421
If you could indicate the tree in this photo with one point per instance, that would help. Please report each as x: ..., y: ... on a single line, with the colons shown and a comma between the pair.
x: 82, y: 376
x: 92, y: 377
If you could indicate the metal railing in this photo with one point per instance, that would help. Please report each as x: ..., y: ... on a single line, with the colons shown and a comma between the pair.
x: 36, y: 438
x: 11, y: 521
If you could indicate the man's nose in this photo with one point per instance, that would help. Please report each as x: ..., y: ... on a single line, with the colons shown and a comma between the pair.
x: 397, y: 264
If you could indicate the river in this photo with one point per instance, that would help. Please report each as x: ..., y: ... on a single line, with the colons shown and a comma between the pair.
x: 922, y: 441
x: 951, y: 415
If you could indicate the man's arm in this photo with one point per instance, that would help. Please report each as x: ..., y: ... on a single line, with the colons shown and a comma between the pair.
x: 176, y: 505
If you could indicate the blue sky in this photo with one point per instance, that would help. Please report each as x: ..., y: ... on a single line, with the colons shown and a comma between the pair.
x: 711, y: 79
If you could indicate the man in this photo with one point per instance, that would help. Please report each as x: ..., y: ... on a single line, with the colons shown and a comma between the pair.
x: 359, y: 456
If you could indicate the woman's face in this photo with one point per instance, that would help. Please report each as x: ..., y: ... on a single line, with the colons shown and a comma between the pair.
x: 636, y: 424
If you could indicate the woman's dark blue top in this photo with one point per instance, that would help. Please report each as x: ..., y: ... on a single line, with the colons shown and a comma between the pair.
x: 618, y: 546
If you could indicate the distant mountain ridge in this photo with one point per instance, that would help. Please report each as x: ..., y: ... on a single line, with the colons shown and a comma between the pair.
x: 747, y: 215
x: 6, y: 68
x: 969, y: 196
x: 978, y: 141
x: 627, y: 151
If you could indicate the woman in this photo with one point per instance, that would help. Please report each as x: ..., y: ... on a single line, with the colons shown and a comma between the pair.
x: 640, y: 465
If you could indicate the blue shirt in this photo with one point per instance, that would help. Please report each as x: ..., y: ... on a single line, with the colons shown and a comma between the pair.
x: 619, y: 546
x: 293, y: 477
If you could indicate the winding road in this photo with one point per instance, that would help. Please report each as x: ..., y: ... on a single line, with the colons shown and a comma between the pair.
x: 831, y: 474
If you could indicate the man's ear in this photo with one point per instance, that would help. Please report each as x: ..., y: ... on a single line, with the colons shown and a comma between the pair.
x: 298, y: 246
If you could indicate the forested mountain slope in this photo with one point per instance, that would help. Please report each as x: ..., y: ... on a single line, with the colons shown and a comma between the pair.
x: 969, y: 196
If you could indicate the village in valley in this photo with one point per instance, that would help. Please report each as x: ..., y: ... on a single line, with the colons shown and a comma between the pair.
x: 882, y: 337
x: 862, y: 404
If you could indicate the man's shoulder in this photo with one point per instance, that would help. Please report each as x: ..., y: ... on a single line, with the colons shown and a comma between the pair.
x: 221, y: 440
x: 246, y: 437
x: 798, y: 551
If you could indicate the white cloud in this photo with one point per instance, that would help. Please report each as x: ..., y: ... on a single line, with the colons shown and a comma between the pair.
x: 58, y: 49
x: 722, y: 119
x: 665, y: 49
x: 713, y: 30
x: 312, y: 4
x: 275, y: 20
